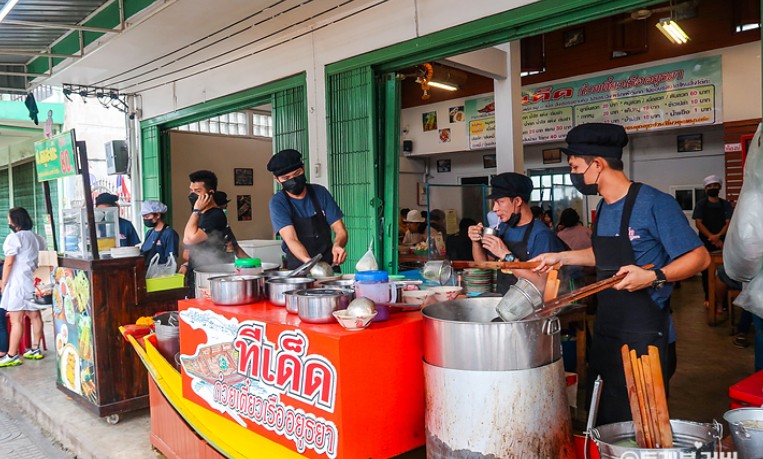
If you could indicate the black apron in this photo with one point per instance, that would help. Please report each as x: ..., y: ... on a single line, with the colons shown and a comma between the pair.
x: 521, y: 252
x: 313, y: 232
x: 149, y: 254
x: 714, y: 219
x: 622, y: 317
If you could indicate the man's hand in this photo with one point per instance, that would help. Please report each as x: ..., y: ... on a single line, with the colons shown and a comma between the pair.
x: 548, y: 261
x: 203, y: 201
x: 496, y: 246
x: 475, y: 232
x: 636, y: 278
x: 339, y: 254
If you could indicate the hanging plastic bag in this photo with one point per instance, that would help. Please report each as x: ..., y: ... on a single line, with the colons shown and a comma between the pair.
x: 751, y: 297
x: 156, y: 269
x: 368, y: 261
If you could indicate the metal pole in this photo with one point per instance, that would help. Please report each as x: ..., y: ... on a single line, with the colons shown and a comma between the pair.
x: 85, y: 172
x: 49, y: 210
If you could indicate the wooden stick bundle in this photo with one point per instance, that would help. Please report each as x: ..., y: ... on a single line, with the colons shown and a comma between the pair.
x: 646, y: 394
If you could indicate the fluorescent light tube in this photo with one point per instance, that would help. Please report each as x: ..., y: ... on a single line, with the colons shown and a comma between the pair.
x: 445, y: 86
x: 7, y: 8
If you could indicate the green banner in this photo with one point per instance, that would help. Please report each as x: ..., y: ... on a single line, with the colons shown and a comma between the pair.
x: 55, y: 157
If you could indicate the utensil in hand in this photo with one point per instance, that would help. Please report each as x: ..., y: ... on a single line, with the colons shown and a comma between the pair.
x: 488, y: 231
x: 305, y: 267
x: 321, y: 270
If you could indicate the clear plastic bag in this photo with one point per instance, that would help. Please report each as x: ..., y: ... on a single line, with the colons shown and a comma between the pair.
x: 368, y: 261
x: 156, y: 269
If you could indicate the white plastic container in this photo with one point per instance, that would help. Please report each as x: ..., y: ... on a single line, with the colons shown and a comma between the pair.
x: 375, y: 286
x: 265, y: 249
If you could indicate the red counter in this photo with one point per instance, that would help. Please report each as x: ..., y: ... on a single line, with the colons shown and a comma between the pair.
x: 316, y: 389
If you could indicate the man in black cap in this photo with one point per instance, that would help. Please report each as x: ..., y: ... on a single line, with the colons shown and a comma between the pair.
x: 128, y: 237
x: 304, y: 214
x: 520, y: 236
x: 636, y: 225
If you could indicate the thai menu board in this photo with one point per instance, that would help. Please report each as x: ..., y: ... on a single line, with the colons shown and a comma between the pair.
x: 72, y: 318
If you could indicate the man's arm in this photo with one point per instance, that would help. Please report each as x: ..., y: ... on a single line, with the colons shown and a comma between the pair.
x: 289, y: 236
x: 681, y: 268
x: 192, y: 234
x: 583, y: 257
x: 702, y: 228
x: 340, y: 242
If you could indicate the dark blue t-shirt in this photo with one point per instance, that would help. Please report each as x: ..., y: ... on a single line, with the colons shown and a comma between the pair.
x: 281, y: 211
x: 167, y: 242
x: 658, y: 230
x: 542, y: 239
x: 128, y: 237
x: 699, y: 209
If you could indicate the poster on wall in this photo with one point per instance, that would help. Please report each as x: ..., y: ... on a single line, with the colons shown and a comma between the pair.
x: 244, y: 207
x: 429, y: 121
x: 480, y: 121
x: 686, y: 93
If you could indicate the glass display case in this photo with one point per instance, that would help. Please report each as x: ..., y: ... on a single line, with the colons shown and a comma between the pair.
x: 75, y: 234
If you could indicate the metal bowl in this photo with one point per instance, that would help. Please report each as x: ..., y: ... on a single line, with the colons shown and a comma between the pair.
x: 290, y: 300
x: 235, y: 290
x: 316, y: 305
x: 348, y: 284
x: 278, y: 285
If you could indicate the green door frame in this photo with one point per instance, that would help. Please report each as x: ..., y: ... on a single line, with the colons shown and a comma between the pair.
x: 540, y: 17
x: 156, y: 175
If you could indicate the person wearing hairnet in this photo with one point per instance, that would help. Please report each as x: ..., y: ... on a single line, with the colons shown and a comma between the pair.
x: 160, y: 237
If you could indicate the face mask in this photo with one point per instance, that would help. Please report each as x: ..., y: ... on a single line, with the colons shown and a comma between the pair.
x: 192, y: 199
x: 295, y: 185
x: 513, y: 219
x: 713, y: 192
x: 578, y: 181
x: 149, y: 223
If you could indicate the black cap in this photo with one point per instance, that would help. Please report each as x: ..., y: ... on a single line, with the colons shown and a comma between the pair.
x: 106, y: 198
x: 284, y: 162
x: 511, y: 185
x: 597, y: 139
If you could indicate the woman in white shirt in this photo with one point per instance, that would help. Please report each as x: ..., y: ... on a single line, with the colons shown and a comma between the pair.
x: 21, y: 249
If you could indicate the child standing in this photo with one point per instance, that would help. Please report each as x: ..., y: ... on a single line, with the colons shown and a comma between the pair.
x: 21, y: 249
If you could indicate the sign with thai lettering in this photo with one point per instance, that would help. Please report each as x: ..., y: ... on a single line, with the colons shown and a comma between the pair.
x: 55, y: 157
x: 480, y: 122
x: 686, y: 93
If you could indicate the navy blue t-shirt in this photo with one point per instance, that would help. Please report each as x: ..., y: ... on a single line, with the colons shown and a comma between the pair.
x: 542, y: 239
x: 280, y: 210
x: 658, y: 230
x: 699, y: 209
x: 167, y: 242
x: 128, y: 237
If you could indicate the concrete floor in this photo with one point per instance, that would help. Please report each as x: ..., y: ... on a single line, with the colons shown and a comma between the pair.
x: 708, y: 363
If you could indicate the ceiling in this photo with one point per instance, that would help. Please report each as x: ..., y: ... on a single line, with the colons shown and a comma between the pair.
x: 18, y: 43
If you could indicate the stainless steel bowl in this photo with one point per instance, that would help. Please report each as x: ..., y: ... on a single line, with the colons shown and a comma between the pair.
x: 348, y: 284
x: 316, y: 305
x: 235, y: 290
x: 290, y: 300
x: 278, y: 285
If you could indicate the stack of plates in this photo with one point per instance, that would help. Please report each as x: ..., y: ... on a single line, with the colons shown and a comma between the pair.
x: 477, y: 281
x: 123, y: 252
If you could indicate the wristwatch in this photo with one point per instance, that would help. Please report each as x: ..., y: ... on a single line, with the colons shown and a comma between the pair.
x: 196, y: 211
x: 509, y: 257
x: 660, y: 281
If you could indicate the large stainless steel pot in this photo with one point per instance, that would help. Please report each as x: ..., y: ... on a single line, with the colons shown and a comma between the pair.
x: 315, y: 305
x: 235, y: 290
x: 746, y: 426
x: 690, y: 439
x: 278, y: 285
x: 202, y: 274
x: 462, y: 334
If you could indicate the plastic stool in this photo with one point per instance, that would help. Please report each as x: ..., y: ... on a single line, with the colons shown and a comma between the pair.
x: 26, y: 334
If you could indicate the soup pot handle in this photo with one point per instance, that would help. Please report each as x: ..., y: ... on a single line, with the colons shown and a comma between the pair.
x: 551, y: 326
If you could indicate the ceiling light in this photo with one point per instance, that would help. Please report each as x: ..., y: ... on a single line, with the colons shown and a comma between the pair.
x: 672, y: 31
x: 445, y: 86
x: 7, y: 8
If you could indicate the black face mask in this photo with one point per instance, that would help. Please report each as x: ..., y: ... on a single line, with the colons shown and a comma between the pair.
x: 578, y: 181
x: 513, y: 219
x: 192, y: 198
x: 295, y: 185
x: 149, y: 223
x: 713, y: 192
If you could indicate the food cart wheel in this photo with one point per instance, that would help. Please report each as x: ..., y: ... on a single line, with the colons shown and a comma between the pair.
x: 112, y: 419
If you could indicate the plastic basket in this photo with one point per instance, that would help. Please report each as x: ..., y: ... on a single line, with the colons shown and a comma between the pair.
x: 165, y: 283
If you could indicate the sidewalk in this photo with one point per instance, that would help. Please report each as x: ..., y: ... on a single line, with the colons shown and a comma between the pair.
x: 32, y: 388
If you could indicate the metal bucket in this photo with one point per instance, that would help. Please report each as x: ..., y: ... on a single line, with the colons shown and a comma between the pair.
x: 746, y: 426
x: 690, y: 439
x: 202, y: 275
x: 464, y: 334
x: 167, y: 328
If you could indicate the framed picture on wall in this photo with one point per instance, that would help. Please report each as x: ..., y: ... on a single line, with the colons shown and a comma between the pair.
x: 488, y: 161
x: 552, y: 156
x: 244, y: 207
x: 243, y: 176
x: 443, y: 165
x: 689, y: 142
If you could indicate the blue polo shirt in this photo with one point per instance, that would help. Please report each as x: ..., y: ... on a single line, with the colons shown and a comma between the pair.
x: 167, y: 241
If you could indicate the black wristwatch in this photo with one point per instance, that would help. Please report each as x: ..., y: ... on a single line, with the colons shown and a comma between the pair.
x: 509, y: 257
x: 660, y: 281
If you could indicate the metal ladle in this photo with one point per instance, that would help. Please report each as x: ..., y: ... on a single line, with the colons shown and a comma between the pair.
x: 305, y: 267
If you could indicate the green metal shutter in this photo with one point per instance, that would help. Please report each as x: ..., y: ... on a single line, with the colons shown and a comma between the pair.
x: 5, y: 201
x: 352, y: 158
x: 24, y: 187
x: 390, y: 134
x: 151, y: 173
x: 290, y: 121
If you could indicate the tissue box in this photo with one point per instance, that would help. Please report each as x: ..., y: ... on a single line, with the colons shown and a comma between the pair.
x: 165, y: 283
